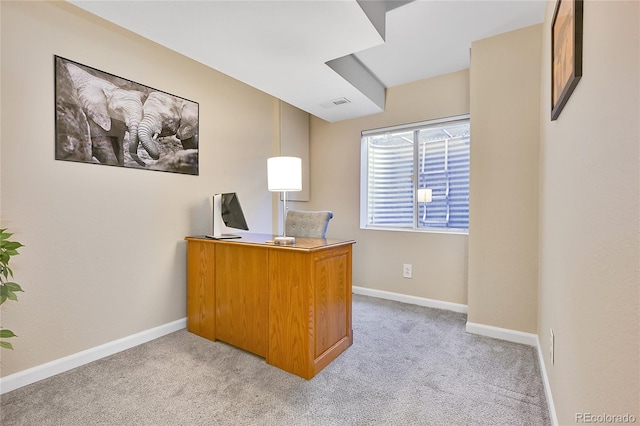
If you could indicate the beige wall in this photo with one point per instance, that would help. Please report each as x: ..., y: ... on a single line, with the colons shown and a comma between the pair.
x: 503, y: 206
x: 104, y: 255
x: 589, y: 220
x: 439, y: 260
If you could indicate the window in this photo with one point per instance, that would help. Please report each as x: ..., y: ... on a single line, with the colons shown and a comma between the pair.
x: 398, y: 161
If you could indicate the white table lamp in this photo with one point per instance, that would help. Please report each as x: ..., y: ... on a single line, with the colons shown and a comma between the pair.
x: 284, y: 174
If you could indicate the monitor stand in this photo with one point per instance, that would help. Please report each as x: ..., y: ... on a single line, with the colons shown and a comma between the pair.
x: 223, y: 236
x: 217, y: 221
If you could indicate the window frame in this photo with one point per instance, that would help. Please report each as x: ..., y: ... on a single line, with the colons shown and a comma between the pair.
x: 364, y: 178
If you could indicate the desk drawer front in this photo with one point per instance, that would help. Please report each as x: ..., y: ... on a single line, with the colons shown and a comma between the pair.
x: 242, y: 297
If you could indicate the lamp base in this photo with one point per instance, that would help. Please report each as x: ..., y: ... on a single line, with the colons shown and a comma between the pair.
x: 284, y: 241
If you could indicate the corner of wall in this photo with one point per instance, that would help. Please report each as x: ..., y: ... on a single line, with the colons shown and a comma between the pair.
x: 503, y: 205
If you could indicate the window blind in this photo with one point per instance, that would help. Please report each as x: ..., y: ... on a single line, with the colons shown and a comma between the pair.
x: 424, y: 155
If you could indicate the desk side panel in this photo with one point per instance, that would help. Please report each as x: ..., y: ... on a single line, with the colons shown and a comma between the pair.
x: 332, y: 298
x: 201, y: 289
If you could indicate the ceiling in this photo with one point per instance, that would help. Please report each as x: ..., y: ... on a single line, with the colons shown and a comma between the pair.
x: 331, y: 58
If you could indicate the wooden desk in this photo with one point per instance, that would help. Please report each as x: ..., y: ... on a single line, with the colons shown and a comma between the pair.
x: 288, y: 304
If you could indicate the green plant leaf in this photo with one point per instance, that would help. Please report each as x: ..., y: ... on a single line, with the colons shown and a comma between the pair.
x: 13, y: 286
x: 7, y: 272
x: 4, y: 333
x: 8, y: 289
x: 11, y: 296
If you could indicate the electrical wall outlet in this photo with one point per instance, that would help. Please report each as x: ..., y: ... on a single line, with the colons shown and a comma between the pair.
x: 552, y: 343
x: 407, y: 270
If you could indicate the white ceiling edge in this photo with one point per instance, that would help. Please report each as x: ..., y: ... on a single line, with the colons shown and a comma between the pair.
x: 427, y: 38
x: 280, y: 48
x: 311, y: 52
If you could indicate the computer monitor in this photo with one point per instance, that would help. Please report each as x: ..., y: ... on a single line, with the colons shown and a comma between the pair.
x: 227, y: 209
x: 232, y: 215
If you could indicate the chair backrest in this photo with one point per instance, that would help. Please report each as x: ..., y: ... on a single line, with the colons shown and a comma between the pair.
x: 312, y: 224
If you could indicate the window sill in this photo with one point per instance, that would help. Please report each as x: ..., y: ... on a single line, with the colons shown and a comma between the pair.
x: 418, y: 231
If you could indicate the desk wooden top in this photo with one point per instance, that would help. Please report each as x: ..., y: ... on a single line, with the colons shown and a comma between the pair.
x: 302, y: 243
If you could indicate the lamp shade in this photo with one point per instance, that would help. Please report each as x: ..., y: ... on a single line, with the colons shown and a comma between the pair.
x: 284, y: 174
x: 424, y: 195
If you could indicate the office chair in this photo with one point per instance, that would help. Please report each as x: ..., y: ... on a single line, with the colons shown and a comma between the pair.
x: 312, y: 224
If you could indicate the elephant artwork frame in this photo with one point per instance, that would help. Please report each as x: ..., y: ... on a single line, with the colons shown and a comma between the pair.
x: 101, y: 118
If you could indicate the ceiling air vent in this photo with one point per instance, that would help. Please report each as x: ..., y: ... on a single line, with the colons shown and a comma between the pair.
x: 335, y: 103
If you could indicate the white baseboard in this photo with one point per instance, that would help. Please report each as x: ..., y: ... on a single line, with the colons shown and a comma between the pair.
x: 503, y: 333
x: 524, y: 338
x: 414, y: 300
x: 481, y: 329
x: 40, y: 372
x: 547, y: 386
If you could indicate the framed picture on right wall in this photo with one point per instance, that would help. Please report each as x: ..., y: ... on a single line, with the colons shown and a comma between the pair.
x: 566, y: 52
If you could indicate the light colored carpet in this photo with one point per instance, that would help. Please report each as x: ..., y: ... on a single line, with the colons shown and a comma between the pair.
x: 408, y: 365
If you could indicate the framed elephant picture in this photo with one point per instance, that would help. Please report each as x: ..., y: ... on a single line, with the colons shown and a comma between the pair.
x: 105, y: 119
